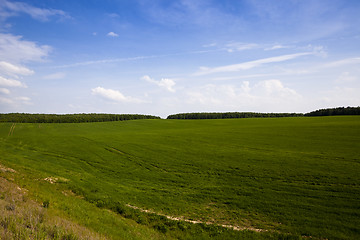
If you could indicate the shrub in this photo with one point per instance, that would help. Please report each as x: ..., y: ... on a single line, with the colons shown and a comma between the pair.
x: 161, y: 227
x: 10, y: 207
x: 46, y: 204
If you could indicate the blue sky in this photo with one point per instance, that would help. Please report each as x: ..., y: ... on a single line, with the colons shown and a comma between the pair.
x: 162, y: 57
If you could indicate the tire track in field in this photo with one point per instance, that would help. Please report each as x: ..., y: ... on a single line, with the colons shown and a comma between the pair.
x: 11, y: 131
x: 235, y: 228
x: 135, y: 160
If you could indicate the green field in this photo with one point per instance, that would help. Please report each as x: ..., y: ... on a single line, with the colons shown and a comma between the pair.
x: 288, y: 177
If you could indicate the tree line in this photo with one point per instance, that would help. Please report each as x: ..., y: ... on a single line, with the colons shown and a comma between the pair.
x: 69, y: 118
x: 212, y: 115
x: 103, y: 117
x: 335, y: 111
x: 219, y: 115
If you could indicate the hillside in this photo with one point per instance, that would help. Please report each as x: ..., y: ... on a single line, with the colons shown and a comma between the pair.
x: 269, y: 178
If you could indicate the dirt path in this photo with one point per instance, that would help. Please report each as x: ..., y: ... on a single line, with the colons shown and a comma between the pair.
x: 11, y: 131
x: 236, y: 228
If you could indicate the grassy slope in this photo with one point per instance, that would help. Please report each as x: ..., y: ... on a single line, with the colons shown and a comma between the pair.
x: 22, y: 218
x: 296, y: 175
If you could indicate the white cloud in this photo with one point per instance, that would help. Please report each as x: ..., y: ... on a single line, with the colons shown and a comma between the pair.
x: 112, y: 34
x: 14, y: 49
x: 8, y: 9
x: 275, y: 88
x: 14, y: 53
x: 114, y: 95
x: 4, y: 91
x: 341, y: 96
x: 165, y: 83
x: 267, y: 95
x: 13, y: 70
x: 250, y: 64
x: 55, y: 76
x: 5, y: 82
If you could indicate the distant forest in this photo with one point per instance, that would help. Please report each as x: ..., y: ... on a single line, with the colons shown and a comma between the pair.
x: 335, y: 111
x: 69, y: 118
x: 320, y: 112
x: 231, y: 115
x: 102, y: 117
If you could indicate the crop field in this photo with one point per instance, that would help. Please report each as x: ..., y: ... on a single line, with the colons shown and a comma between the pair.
x: 261, y: 178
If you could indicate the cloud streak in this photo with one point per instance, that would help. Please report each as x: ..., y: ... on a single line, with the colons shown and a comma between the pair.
x: 104, y: 61
x: 276, y: 47
x: 114, y: 60
x: 250, y: 64
x: 9, y: 9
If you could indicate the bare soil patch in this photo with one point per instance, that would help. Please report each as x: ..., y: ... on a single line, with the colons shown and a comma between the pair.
x: 236, y: 228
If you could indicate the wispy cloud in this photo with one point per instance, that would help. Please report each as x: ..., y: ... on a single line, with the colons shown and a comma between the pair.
x: 13, y: 70
x: 5, y: 101
x: 4, y: 91
x: 5, y: 82
x: 346, y: 77
x: 114, y: 95
x: 210, y: 45
x: 54, y: 76
x: 250, y: 64
x: 25, y: 100
x: 187, y: 12
x: 276, y: 47
x: 342, y: 62
x: 113, y: 60
x: 165, y: 83
x: 232, y: 47
x: 103, y: 61
x: 113, y: 15
x: 8, y: 9
x: 340, y: 96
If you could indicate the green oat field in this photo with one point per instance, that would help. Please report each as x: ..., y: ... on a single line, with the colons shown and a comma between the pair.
x: 273, y: 178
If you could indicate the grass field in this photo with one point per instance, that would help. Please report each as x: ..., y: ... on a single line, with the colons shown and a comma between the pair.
x: 285, y: 177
